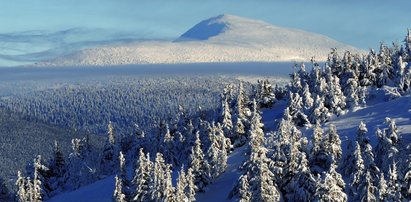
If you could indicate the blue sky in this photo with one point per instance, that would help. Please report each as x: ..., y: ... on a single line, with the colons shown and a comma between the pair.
x: 360, y: 23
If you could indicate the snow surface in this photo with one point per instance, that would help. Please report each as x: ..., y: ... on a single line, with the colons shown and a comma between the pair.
x: 373, y: 115
x: 225, y: 38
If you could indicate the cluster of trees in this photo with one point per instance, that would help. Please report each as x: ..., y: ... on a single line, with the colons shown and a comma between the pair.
x: 343, y: 82
x: 123, y: 100
x: 285, y: 165
x: 282, y: 165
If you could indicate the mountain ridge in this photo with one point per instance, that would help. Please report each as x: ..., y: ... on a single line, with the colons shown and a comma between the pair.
x: 224, y: 38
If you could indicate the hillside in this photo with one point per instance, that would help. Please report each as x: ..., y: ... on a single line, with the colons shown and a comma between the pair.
x: 347, y: 125
x: 22, y: 140
x: 224, y: 38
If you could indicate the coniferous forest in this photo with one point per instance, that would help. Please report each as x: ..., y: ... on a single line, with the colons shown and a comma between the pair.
x: 177, y: 150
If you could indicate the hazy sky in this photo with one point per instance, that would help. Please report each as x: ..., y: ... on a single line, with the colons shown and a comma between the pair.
x: 360, y: 23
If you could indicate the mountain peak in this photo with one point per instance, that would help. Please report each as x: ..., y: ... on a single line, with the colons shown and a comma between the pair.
x: 206, y: 29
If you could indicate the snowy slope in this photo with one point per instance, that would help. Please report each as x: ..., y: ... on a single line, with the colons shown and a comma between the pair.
x: 224, y: 38
x: 347, y: 124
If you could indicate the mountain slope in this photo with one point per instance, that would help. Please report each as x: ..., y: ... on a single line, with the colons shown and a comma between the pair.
x: 21, y: 140
x: 347, y: 125
x: 224, y: 38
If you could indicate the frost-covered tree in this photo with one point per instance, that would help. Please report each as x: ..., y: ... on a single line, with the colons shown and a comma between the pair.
x: 169, y: 190
x: 256, y: 132
x: 39, y: 192
x: 142, y: 176
x: 387, y: 149
x: 200, y: 166
x: 81, y: 166
x: 180, y: 194
x: 262, y: 185
x: 157, y: 185
x: 167, y: 147
x: 265, y: 95
x: 308, y: 101
x: 352, y: 93
x: 296, y: 110
x: 393, y: 192
x: 109, y: 160
x: 367, y: 189
x: 57, y: 167
x: 382, y: 188
x: 244, y: 189
x: 191, y: 188
x: 357, y: 172
x: 119, y: 193
x: 226, y: 120
x: 22, y: 188
x: 331, y: 186
x: 319, y: 113
x: 302, y: 185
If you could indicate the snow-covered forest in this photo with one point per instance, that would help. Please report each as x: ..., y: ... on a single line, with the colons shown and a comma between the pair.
x: 160, y: 146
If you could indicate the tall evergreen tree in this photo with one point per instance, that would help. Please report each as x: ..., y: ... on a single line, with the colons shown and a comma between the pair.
x: 201, y: 168
x: 57, y: 166
x: 109, y: 160
x: 142, y: 176
x: 180, y: 194
x: 119, y: 193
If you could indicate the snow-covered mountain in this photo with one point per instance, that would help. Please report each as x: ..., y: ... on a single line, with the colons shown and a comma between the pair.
x: 224, y: 38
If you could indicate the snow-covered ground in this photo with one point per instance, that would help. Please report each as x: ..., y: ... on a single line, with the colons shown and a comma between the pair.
x: 373, y: 115
x: 224, y: 38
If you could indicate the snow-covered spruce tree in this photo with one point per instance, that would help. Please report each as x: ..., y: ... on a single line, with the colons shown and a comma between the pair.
x: 335, y: 101
x: 22, y: 188
x: 296, y: 110
x: 57, y: 167
x: 122, y: 175
x: 157, y: 185
x: 382, y: 188
x: 361, y: 135
x: 387, y: 150
x: 167, y: 147
x: 226, y: 120
x: 393, y: 192
x: 351, y: 92
x: 357, y: 173
x: 319, y: 113
x: 39, y: 191
x: 169, y: 190
x: 142, y: 176
x: 201, y: 168
x: 190, y: 190
x: 262, y: 185
x: 217, y: 152
x: 331, y: 186
x: 119, y: 192
x: 308, y: 101
x: 181, y: 186
x: 265, y: 94
x: 302, y: 185
x: 109, y: 161
x: 81, y: 168
x: 240, y: 118
x: 315, y: 143
x: 244, y: 189
x: 368, y: 191
x: 256, y: 132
